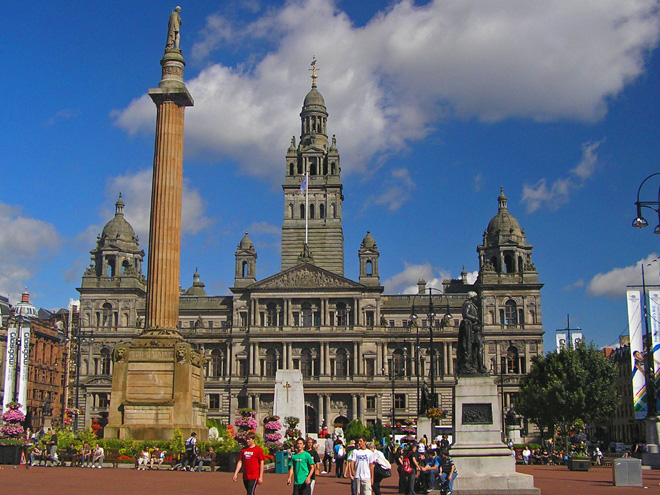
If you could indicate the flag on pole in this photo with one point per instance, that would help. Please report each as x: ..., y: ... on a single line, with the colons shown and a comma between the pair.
x: 303, y: 185
x: 634, y: 300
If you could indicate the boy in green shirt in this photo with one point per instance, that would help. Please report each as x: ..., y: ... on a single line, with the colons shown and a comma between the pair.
x: 301, y: 469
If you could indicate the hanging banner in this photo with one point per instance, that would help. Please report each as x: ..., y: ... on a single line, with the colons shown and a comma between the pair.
x: 24, y: 363
x: 10, y: 367
x: 654, y: 327
x: 636, y: 353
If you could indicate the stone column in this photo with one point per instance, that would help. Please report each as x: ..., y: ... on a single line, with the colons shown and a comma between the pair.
x: 171, y: 98
x: 354, y: 410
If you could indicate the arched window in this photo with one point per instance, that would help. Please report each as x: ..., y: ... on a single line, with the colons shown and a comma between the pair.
x: 244, y: 269
x: 508, y: 262
x: 342, y: 363
x: 107, y: 315
x: 311, y: 211
x: 291, y: 168
x: 512, y: 360
x: 333, y: 168
x: 369, y: 269
x: 271, y: 362
x: 290, y: 210
x: 300, y: 168
x: 306, y: 363
x: 511, y: 313
x: 398, y: 363
x: 312, y: 168
x: 321, y: 211
x: 215, y: 364
x: 306, y: 315
x: 520, y: 264
x: 105, y: 362
x: 325, y: 168
x: 124, y: 266
x: 302, y: 211
x: 341, y: 314
x: 111, y: 268
x: 271, y: 315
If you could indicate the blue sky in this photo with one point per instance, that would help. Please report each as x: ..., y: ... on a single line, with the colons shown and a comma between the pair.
x: 435, y: 105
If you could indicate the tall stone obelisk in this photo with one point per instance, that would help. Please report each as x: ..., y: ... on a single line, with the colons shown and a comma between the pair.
x: 157, y: 381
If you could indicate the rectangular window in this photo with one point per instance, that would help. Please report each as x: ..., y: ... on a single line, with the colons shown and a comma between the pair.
x: 214, y: 401
x: 296, y: 319
x: 191, y: 323
x: 242, y: 368
x: 399, y: 401
x: 370, y: 367
x: 371, y: 402
x: 243, y: 316
x: 104, y: 402
x: 392, y: 324
x: 210, y: 324
x: 370, y: 318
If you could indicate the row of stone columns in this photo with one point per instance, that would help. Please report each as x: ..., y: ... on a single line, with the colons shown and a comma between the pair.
x: 287, y: 310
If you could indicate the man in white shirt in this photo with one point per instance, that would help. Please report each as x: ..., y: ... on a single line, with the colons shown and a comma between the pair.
x: 361, y: 467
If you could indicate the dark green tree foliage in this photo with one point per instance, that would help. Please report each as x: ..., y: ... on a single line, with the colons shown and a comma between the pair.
x: 377, y: 431
x: 566, y: 386
x: 355, y: 429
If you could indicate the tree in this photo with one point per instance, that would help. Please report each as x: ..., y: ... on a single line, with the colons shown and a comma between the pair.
x: 567, y: 386
x: 355, y: 429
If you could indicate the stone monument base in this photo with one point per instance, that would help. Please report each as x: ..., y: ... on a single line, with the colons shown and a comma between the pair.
x: 484, y: 463
x: 157, y: 387
x: 425, y: 427
x: 289, y: 399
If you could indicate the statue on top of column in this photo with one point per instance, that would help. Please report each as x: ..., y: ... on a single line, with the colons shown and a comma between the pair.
x: 470, y: 351
x: 173, y: 28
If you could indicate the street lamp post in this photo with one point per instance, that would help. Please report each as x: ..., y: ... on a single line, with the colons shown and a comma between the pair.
x: 430, y: 313
x: 393, y: 375
x: 652, y: 456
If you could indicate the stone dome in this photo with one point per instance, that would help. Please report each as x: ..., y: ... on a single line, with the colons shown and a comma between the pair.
x: 197, y: 288
x: 504, y: 224
x: 118, y: 229
x: 313, y: 98
x: 246, y: 242
x: 369, y: 242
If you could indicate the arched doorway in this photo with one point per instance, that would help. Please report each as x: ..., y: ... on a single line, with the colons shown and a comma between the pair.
x: 340, y: 422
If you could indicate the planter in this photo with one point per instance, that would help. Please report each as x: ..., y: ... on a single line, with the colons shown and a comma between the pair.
x: 233, y: 460
x: 10, y: 454
x: 579, y: 464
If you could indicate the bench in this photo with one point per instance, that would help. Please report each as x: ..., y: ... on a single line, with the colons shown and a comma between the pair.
x: 112, y: 457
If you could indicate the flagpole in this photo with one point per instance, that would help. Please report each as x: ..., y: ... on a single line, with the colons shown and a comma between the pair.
x: 306, y: 203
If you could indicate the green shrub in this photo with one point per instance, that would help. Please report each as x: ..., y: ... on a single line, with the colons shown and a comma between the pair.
x: 356, y: 429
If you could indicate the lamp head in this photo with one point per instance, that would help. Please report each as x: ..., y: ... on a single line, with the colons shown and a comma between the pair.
x: 640, y: 221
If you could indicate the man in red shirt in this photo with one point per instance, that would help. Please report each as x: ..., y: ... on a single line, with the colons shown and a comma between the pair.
x: 252, y: 460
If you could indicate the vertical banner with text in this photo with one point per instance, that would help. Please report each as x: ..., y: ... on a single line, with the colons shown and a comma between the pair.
x: 24, y: 360
x: 637, y: 353
x: 10, y: 367
x: 654, y: 326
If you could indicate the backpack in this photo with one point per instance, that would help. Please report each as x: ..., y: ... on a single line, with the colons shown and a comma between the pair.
x: 190, y: 445
x: 341, y: 453
x: 406, y: 465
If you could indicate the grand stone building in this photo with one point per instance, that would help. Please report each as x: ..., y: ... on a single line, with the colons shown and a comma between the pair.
x: 359, y: 350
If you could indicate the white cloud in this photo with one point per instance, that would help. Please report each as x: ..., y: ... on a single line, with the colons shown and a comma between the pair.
x: 578, y: 284
x: 396, y: 190
x: 24, y: 243
x: 540, y: 195
x: 387, y: 83
x: 136, y: 193
x: 264, y: 228
x: 405, y: 282
x: 613, y: 284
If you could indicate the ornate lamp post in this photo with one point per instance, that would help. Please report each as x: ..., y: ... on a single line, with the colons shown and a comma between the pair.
x: 652, y: 457
x: 395, y: 373
x: 430, y: 314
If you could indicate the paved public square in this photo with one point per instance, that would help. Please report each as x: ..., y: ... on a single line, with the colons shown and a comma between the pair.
x: 552, y: 480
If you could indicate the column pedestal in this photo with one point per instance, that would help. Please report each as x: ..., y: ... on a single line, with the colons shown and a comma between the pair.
x: 483, y: 462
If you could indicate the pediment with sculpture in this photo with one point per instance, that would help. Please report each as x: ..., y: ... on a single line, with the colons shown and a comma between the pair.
x: 306, y: 276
